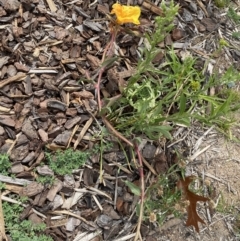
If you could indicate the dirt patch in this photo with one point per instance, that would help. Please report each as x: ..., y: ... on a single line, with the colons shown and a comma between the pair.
x: 217, y: 168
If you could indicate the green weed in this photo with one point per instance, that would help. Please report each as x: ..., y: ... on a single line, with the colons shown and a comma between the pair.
x: 22, y: 230
x: 46, y: 180
x: 162, y: 199
x: 158, y: 97
x: 236, y: 35
x: 230, y: 76
x: 5, y: 164
x: 104, y: 147
x: 64, y: 162
x: 223, y: 206
x: 233, y: 15
x: 2, y: 186
x: 221, y: 3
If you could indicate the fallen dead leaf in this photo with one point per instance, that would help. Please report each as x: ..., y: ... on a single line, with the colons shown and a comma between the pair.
x: 193, y: 198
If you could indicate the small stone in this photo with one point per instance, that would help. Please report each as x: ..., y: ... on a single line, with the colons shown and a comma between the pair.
x: 104, y: 221
x: 201, y: 28
x: 158, y: 57
x: 177, y: 34
x: 193, y: 7
x: 187, y: 16
x: 149, y: 151
x: 69, y: 181
x: 108, y: 210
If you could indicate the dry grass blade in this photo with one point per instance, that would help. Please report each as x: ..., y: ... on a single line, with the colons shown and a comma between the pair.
x: 43, y: 71
x: 72, y: 135
x: 152, y: 7
x: 17, y: 77
x: 115, y: 132
x: 72, y: 215
x: 125, y: 238
x: 148, y: 165
x: 121, y: 167
x: 86, y: 236
x: 199, y: 152
x: 98, y: 192
x: 83, y: 131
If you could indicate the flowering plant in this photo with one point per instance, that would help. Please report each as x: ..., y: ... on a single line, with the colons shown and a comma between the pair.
x: 126, y: 14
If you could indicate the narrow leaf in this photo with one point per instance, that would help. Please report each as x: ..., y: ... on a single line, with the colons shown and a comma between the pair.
x: 134, y: 189
x: 183, y: 101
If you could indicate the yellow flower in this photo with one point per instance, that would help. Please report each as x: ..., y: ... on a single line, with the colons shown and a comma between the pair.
x: 126, y: 14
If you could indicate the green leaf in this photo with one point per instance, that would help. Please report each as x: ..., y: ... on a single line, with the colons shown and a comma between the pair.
x: 134, y: 189
x: 108, y: 62
x: 155, y: 131
x: 183, y: 101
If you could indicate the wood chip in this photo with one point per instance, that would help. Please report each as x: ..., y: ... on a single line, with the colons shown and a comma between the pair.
x: 52, y: 5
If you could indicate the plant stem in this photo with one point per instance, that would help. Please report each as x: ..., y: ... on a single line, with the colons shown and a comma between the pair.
x: 138, y: 234
x: 115, y: 132
x: 98, y: 88
x: 108, y: 51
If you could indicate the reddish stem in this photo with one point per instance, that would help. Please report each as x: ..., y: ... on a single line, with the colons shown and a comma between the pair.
x: 140, y: 171
x: 108, y: 51
x: 98, y: 88
x: 140, y: 218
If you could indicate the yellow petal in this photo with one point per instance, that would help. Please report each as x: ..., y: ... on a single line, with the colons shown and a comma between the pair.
x: 126, y: 14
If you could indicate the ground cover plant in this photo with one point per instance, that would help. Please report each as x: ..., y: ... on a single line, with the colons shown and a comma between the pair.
x: 78, y: 140
x: 5, y: 164
x: 22, y: 230
x: 63, y: 163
